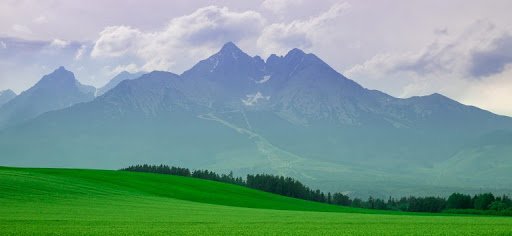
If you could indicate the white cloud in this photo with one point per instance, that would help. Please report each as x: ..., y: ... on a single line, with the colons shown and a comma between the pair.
x: 115, y: 41
x: 21, y: 29
x: 80, y: 52
x: 3, y: 44
x: 132, y: 68
x: 280, y: 37
x: 185, y: 40
x: 41, y: 19
x: 59, y: 43
x: 279, y: 6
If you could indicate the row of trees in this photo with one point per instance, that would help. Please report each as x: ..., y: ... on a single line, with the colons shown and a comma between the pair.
x: 179, y: 171
x: 159, y: 169
x: 485, y: 203
x: 481, y: 202
x: 284, y: 186
x: 280, y: 185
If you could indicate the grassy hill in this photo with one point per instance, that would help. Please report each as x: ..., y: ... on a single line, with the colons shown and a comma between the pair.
x: 71, y: 202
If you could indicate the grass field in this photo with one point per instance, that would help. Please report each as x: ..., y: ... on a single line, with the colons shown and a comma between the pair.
x: 99, y: 202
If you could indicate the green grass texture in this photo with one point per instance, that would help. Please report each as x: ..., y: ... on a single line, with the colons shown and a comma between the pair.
x: 103, y: 202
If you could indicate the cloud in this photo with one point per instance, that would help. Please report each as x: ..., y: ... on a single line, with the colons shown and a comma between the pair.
x: 59, y: 43
x: 132, y: 68
x: 481, y: 50
x: 41, y: 19
x: 184, y: 40
x: 493, y: 59
x: 21, y: 29
x: 115, y: 41
x: 80, y: 52
x: 473, y: 67
x: 3, y: 45
x: 281, y: 37
x: 279, y: 6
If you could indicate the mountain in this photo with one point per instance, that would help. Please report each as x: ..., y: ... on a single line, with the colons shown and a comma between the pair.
x: 54, y: 91
x: 125, y: 75
x: 485, y: 157
x: 291, y: 115
x: 6, y: 96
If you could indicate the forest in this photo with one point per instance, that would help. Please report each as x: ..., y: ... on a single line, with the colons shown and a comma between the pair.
x: 456, y: 203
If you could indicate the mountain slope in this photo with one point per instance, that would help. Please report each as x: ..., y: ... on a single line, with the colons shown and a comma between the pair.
x: 487, y: 157
x: 291, y: 115
x: 116, y: 80
x: 6, y: 96
x: 54, y: 91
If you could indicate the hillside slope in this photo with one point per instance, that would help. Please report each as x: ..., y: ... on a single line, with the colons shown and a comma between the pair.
x: 17, y: 182
x: 97, y: 202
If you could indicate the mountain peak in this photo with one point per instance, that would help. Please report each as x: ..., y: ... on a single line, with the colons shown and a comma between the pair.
x: 54, y: 91
x: 230, y: 47
x: 294, y: 56
x: 62, y: 79
x: 60, y: 74
x: 123, y: 75
x: 61, y: 70
x: 435, y: 97
x: 7, y: 92
x: 6, y: 96
x: 295, y: 53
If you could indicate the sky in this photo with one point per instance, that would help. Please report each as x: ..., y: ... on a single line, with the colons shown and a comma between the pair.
x: 461, y: 49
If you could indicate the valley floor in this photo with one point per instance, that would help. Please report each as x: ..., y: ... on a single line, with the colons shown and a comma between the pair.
x: 93, y: 202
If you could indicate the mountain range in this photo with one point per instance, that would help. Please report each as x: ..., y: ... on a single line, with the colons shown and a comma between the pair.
x: 6, y: 96
x: 291, y: 115
x: 55, y: 91
x: 125, y: 75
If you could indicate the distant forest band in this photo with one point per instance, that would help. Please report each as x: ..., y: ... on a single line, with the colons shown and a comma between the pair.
x: 457, y: 203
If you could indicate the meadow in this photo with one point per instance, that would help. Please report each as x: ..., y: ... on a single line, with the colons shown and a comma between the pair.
x: 102, y: 202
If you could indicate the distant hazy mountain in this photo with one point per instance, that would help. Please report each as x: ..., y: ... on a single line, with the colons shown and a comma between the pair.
x: 291, y: 115
x: 116, y: 80
x: 487, y: 157
x: 54, y: 91
x: 6, y: 96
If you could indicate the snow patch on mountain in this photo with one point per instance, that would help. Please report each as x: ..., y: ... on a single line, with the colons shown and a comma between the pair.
x: 216, y: 63
x: 265, y: 79
x: 253, y: 98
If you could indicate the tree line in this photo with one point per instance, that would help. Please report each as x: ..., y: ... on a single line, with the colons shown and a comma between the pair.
x: 458, y: 203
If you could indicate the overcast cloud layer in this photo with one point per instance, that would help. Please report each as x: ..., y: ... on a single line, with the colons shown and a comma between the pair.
x: 405, y: 48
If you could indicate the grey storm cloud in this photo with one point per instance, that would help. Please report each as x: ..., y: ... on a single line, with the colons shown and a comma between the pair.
x: 492, y: 61
x: 480, y: 51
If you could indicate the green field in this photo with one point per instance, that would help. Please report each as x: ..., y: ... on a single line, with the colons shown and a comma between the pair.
x: 99, y: 202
